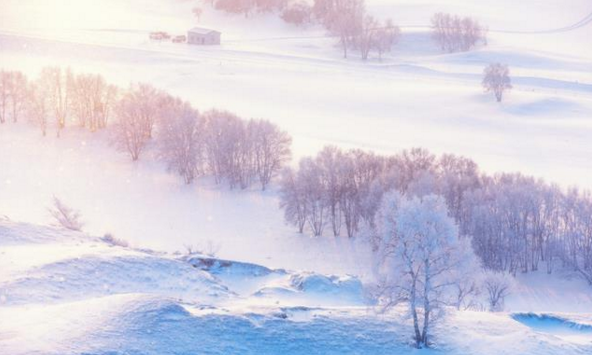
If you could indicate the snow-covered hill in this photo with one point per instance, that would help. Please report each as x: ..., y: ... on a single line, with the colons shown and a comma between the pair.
x: 76, y: 294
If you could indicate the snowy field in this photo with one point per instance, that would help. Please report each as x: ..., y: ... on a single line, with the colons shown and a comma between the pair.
x: 295, y: 77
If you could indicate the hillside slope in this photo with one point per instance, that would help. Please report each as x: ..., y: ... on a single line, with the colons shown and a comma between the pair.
x: 83, y: 296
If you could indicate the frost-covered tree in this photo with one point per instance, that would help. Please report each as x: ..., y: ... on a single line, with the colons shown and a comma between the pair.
x: 419, y: 249
x: 65, y: 216
x: 38, y: 107
x: 329, y: 163
x: 92, y: 100
x: 386, y: 37
x: 136, y: 114
x: 344, y: 19
x: 54, y: 81
x: 225, y: 147
x: 496, y: 79
x: 293, y: 199
x: 270, y: 149
x: 181, y: 140
x: 457, y: 177
x: 18, y: 94
x: 454, y: 33
x: 407, y: 166
x: 4, y: 94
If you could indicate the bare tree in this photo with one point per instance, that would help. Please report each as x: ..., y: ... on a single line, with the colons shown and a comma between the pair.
x: 454, y: 33
x: 496, y: 79
x: 55, y: 80
x: 293, y: 199
x: 38, y: 106
x: 65, y: 216
x: 314, y: 195
x: 136, y: 114
x: 5, y: 79
x: 298, y: 13
x: 344, y: 19
x: 271, y: 149
x: 92, y: 100
x: 386, y: 37
x: 498, y: 287
x: 18, y: 94
x: 225, y: 134
x: 328, y: 163
x: 181, y: 138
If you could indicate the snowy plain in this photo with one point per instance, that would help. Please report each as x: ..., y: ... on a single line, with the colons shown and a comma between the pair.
x: 295, y: 77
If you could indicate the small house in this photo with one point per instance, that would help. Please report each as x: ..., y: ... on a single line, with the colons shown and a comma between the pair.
x: 203, y: 36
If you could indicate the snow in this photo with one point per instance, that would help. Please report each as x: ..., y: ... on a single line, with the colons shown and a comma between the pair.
x: 67, y: 293
x: 200, y: 304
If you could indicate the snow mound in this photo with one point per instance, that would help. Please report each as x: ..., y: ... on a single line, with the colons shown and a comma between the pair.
x: 96, y: 275
x: 341, y: 288
x: 552, y: 323
x: 161, y: 326
x: 227, y: 267
x: 279, y: 285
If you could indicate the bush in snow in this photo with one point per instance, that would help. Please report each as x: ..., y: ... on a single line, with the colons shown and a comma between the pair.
x: 111, y: 240
x: 496, y: 79
x: 497, y: 286
x: 65, y: 216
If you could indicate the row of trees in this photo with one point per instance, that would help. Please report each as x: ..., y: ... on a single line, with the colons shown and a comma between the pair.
x: 240, y: 152
x: 356, y: 29
x: 514, y: 222
x: 219, y: 143
x: 56, y: 97
x: 457, y: 34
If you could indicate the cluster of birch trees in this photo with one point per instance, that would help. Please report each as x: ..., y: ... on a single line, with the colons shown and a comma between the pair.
x: 57, y: 97
x: 457, y: 34
x: 355, y: 28
x: 234, y: 150
x: 514, y: 222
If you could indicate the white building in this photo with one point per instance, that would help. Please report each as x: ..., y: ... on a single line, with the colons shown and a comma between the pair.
x: 203, y: 36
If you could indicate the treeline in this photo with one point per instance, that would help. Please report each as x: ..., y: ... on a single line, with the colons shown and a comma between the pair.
x: 355, y: 28
x: 57, y: 97
x: 218, y: 143
x: 514, y: 222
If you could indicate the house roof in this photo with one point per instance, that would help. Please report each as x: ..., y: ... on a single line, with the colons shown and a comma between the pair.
x: 202, y: 31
